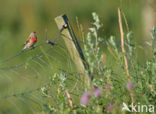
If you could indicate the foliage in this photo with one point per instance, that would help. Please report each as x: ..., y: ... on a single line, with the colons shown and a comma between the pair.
x: 110, y: 80
x: 66, y: 92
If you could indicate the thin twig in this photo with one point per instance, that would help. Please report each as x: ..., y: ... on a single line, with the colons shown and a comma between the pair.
x: 124, y: 16
x: 123, y: 51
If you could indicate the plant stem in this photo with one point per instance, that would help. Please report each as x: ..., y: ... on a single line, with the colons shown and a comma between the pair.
x: 124, y: 52
x: 70, y: 100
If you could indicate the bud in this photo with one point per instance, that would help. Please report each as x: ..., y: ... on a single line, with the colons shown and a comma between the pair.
x: 107, y: 87
x: 130, y: 86
x: 109, y: 107
x: 97, y: 92
x: 85, y: 98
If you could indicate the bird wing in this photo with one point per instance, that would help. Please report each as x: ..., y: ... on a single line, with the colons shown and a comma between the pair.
x: 27, y: 40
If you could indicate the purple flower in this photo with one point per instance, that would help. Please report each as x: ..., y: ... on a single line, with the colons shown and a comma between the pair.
x: 130, y: 86
x: 97, y: 92
x: 109, y: 107
x: 85, y: 98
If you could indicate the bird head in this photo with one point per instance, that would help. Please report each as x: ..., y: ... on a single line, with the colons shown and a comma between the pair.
x: 33, y: 35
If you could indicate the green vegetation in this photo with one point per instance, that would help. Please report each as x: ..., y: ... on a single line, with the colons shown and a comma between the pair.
x: 45, y: 79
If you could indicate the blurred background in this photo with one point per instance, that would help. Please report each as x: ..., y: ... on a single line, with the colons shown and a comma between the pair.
x: 20, y: 17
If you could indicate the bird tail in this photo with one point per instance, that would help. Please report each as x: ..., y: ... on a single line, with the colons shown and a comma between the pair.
x: 24, y: 48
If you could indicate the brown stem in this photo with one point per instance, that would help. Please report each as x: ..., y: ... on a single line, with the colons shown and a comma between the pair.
x: 70, y: 100
x: 123, y: 51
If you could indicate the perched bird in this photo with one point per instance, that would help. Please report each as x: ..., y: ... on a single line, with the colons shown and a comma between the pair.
x: 29, y: 43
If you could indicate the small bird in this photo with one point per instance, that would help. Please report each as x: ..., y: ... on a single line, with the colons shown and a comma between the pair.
x: 29, y: 43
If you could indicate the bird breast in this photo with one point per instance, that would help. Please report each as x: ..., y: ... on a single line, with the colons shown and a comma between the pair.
x: 34, y: 39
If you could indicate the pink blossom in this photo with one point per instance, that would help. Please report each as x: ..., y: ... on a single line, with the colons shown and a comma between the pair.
x: 109, y: 107
x: 85, y: 98
x: 97, y: 92
x: 130, y: 86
